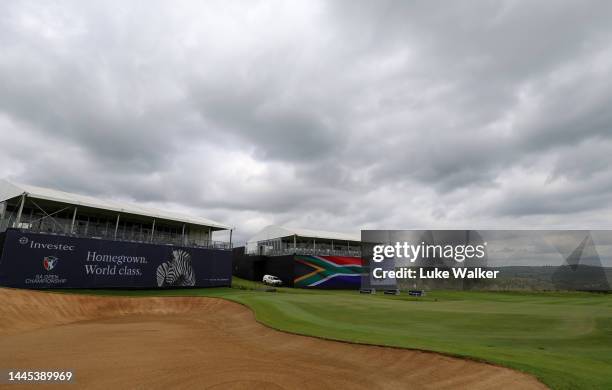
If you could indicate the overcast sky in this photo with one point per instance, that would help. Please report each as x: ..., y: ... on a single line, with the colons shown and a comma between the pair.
x: 335, y: 115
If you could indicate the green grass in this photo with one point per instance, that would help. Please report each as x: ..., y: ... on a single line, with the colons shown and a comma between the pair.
x: 564, y: 339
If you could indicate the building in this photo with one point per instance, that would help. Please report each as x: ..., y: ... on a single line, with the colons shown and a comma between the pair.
x: 277, y: 240
x: 51, y: 238
x: 302, y: 258
x: 45, y: 210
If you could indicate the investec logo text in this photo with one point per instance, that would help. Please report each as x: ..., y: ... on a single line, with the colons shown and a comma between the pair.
x: 46, y: 245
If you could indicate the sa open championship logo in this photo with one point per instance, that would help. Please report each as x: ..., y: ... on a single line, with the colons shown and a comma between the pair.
x: 49, y: 262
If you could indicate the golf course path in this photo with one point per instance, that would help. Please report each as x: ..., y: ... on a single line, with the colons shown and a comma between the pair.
x: 208, y: 343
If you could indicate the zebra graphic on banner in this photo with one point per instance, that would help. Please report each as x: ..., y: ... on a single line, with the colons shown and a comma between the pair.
x: 176, y: 272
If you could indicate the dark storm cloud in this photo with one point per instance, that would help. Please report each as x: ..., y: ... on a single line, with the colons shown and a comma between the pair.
x: 491, y: 61
x: 331, y: 115
x: 276, y: 129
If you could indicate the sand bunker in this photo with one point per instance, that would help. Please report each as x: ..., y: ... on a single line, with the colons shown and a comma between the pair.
x: 146, y: 343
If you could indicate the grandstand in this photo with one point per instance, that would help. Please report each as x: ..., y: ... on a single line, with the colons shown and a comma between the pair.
x: 274, y: 240
x: 49, y: 211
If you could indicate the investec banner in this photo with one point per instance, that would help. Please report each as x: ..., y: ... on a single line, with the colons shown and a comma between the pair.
x: 48, y: 261
x: 487, y: 259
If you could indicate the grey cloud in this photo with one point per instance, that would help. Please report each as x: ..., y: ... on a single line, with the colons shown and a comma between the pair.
x: 335, y: 115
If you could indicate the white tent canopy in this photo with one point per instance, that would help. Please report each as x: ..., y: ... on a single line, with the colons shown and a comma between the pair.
x: 274, y: 231
x: 10, y: 190
x: 281, y: 239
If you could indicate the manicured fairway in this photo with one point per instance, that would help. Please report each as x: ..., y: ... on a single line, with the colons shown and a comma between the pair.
x: 565, y: 339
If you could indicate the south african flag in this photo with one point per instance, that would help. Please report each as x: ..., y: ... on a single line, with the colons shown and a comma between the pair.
x: 328, y: 272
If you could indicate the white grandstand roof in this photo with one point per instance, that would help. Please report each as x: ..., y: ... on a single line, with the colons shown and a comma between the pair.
x: 274, y: 231
x: 9, y: 190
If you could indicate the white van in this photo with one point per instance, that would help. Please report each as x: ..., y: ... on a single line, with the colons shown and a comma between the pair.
x: 272, y: 280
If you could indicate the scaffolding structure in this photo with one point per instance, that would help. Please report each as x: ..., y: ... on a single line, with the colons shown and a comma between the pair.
x: 276, y: 240
x: 47, y: 211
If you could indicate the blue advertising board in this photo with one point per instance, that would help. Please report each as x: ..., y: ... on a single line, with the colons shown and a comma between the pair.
x: 32, y: 260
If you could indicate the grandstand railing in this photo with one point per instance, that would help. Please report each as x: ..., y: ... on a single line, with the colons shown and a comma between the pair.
x: 308, y: 251
x: 159, y: 238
